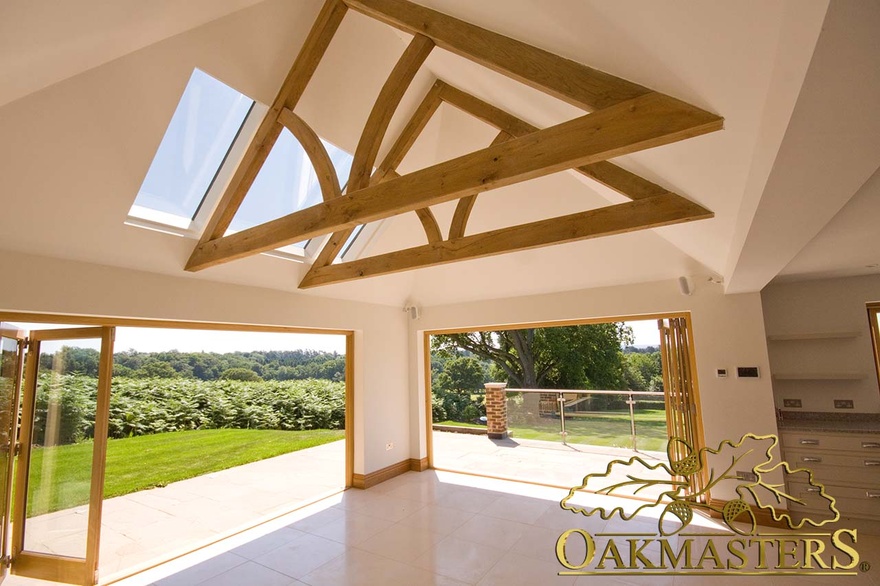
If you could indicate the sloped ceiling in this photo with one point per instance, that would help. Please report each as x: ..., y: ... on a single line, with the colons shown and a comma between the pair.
x: 79, y: 135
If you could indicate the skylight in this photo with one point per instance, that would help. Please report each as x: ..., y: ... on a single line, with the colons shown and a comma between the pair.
x: 207, y: 134
x: 207, y: 120
x: 287, y: 183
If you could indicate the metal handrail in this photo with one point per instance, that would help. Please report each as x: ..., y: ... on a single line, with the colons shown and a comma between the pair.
x: 561, y: 399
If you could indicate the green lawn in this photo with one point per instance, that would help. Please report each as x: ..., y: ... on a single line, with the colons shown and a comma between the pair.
x: 155, y: 460
x: 605, y: 428
x: 459, y: 424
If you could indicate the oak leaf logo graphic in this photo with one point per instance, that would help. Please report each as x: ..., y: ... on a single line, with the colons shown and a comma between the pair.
x: 680, y: 501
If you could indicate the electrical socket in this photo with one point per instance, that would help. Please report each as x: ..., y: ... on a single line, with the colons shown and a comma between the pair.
x: 747, y: 476
x: 792, y: 403
x: 843, y: 404
x: 389, y: 446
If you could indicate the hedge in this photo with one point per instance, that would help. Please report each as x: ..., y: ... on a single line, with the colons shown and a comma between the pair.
x: 157, y: 405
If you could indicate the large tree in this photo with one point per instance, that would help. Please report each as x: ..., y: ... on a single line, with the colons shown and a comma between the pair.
x: 572, y: 357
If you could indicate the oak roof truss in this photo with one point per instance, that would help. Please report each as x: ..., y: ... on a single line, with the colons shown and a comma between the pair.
x: 623, y: 118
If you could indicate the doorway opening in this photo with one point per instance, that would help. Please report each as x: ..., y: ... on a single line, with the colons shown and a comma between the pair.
x: 570, y: 398
x: 129, y: 458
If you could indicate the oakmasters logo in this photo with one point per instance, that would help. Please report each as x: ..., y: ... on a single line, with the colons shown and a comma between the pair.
x: 736, y: 547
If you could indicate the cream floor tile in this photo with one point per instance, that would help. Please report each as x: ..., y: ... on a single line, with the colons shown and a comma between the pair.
x: 498, y: 533
x: 362, y: 568
x: 517, y: 508
x: 203, y: 571
x: 540, y: 543
x: 399, y: 542
x: 387, y: 508
x: 250, y: 573
x: 467, y: 499
x: 516, y: 570
x: 352, y: 528
x: 301, y: 555
x: 317, y: 520
x: 267, y: 543
x: 442, y: 520
x: 459, y: 559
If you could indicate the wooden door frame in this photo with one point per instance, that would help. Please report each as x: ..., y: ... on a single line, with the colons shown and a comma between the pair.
x: 426, y: 359
x: 41, y: 565
x: 99, y: 321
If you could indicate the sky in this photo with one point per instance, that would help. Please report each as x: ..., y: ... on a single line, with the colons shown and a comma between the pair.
x: 161, y: 339
x: 645, y: 332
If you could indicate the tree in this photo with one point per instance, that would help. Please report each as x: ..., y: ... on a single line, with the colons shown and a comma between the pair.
x: 573, y: 357
x: 238, y: 373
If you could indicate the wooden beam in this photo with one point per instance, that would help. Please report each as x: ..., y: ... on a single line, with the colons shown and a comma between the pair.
x: 413, y: 129
x: 617, y: 178
x: 426, y: 216
x: 661, y: 210
x: 314, y: 148
x: 466, y: 204
x: 291, y: 91
x: 568, y: 80
x: 374, y: 132
x: 644, y: 122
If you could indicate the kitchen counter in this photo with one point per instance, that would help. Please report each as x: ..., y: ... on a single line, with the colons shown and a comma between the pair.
x: 830, y: 422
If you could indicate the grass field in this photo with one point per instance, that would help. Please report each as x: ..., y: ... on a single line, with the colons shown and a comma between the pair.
x: 605, y: 428
x: 150, y: 461
x: 459, y: 424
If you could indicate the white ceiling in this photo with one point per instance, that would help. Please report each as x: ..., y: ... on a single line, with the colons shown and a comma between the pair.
x: 85, y: 101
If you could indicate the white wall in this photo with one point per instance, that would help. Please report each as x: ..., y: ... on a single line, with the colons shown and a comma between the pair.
x: 728, y: 332
x: 41, y: 284
x: 829, y: 305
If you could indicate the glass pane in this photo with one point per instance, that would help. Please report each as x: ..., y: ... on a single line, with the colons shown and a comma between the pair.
x: 59, y: 479
x: 287, y: 183
x: 8, y: 367
x: 206, y: 122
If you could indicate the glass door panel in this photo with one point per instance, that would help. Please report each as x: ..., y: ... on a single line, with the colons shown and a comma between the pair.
x: 59, y: 481
x: 11, y: 361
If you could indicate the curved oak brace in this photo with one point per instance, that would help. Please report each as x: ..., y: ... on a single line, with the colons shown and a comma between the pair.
x: 426, y: 216
x: 310, y: 55
x: 653, y: 212
x: 374, y: 131
x: 316, y: 152
x: 466, y: 204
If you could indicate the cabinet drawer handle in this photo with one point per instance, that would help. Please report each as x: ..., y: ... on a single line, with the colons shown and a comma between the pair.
x: 814, y: 489
x: 871, y: 444
x: 872, y: 495
x: 872, y: 462
x: 811, y: 459
x: 814, y: 442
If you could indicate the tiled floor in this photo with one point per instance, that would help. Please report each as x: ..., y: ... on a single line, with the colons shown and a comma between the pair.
x: 140, y: 528
x: 435, y: 528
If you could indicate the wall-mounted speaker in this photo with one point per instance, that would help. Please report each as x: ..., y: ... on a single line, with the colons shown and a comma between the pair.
x: 684, y: 285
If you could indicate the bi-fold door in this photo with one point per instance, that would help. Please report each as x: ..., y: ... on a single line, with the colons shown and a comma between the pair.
x: 59, y: 482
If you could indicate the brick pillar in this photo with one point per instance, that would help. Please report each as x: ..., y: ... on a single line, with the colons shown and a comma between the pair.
x: 496, y: 410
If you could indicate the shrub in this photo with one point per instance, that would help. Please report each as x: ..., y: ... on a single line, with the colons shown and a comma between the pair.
x: 140, y: 406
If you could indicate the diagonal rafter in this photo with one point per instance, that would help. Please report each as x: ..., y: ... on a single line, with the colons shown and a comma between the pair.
x: 374, y: 131
x: 617, y: 178
x: 652, y: 212
x: 291, y: 91
x: 644, y: 122
x: 568, y: 80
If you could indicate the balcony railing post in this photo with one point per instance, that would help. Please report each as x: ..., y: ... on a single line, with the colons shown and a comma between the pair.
x: 496, y: 410
x: 561, y: 399
x: 632, y: 420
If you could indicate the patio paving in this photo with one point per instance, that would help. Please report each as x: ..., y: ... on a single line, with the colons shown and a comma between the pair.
x: 549, y: 463
x: 141, y: 529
